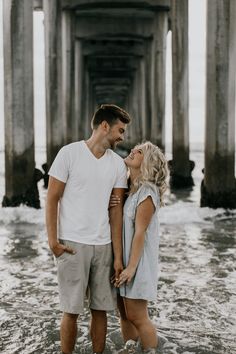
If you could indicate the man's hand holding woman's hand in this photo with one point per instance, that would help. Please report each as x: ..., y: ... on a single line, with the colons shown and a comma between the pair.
x: 118, y: 268
x: 125, y: 277
x: 58, y: 248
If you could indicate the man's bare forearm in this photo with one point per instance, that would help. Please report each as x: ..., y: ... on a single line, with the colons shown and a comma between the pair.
x: 116, y: 219
x: 55, y: 192
x: 51, y: 221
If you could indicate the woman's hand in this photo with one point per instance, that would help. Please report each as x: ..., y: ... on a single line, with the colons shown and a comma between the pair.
x: 125, y: 276
x: 114, y: 201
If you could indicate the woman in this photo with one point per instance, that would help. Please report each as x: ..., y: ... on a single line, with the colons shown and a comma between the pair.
x: 138, y: 281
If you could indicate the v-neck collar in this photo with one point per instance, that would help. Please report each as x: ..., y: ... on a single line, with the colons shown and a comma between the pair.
x: 92, y: 155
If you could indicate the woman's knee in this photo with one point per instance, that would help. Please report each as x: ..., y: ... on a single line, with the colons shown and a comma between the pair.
x: 134, y: 318
x: 136, y: 312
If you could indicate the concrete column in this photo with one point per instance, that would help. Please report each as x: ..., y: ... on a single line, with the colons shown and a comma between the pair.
x: 143, y: 99
x: 53, y: 54
x: 78, y: 122
x: 86, y: 111
x: 158, y: 77
x: 95, y: 105
x: 135, y: 109
x: 129, y: 135
x: 180, y: 166
x: 148, y: 89
x: 21, y: 187
x: 91, y: 106
x: 138, y: 102
x: 218, y: 187
x: 68, y: 76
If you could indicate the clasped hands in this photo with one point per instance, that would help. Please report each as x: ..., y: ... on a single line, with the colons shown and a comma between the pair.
x: 125, y: 276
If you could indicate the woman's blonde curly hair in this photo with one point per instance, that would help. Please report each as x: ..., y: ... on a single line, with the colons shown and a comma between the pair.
x: 154, y: 169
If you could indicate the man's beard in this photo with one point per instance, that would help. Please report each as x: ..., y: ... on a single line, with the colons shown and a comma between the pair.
x: 113, y: 144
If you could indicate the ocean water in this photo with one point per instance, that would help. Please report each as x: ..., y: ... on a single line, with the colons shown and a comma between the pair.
x: 195, y: 309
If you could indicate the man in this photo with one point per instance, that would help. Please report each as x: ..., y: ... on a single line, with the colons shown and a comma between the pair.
x: 82, y: 178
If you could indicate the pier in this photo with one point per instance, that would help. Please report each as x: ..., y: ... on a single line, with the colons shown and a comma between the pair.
x: 115, y: 52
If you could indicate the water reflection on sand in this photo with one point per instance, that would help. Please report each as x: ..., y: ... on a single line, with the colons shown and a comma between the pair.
x: 196, y: 303
x: 195, y: 307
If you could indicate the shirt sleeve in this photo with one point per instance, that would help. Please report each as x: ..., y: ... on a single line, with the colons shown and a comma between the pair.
x: 60, y: 166
x: 149, y: 191
x: 121, y: 178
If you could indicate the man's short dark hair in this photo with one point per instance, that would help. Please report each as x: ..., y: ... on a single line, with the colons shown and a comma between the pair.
x: 110, y: 113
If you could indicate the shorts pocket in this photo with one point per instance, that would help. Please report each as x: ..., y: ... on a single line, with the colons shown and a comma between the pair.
x: 62, y: 256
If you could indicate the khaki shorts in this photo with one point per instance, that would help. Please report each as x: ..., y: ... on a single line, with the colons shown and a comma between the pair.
x: 88, y: 272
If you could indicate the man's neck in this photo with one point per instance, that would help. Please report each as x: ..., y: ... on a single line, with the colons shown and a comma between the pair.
x: 96, y: 146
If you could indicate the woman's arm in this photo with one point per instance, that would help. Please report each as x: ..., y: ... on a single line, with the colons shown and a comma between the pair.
x: 144, y: 213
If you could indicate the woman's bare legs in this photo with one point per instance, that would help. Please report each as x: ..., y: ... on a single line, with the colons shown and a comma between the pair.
x: 128, y: 330
x: 137, y: 313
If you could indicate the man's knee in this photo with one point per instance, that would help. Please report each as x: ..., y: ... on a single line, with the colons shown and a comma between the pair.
x: 98, y: 314
x: 70, y: 316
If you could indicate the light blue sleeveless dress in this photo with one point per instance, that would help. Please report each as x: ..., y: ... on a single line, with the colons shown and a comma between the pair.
x: 144, y: 283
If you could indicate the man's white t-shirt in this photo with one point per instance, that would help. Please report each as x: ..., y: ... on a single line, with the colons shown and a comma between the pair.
x: 83, y: 210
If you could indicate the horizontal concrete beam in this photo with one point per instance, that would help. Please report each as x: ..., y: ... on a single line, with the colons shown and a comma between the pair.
x: 128, y: 74
x: 103, y: 87
x: 111, y: 90
x: 117, y: 12
x: 95, y: 26
x: 111, y: 63
x: 111, y: 81
x: 38, y: 5
x: 141, y: 4
x: 108, y: 98
x: 131, y: 46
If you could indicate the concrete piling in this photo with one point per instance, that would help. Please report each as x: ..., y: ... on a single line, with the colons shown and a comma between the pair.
x: 219, y: 187
x: 55, y: 126
x: 21, y: 186
x: 180, y: 165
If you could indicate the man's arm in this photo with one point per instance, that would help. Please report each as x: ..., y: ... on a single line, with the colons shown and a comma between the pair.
x: 116, y: 223
x: 55, y: 192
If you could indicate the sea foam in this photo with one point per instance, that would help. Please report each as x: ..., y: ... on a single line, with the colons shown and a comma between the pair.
x: 178, y: 213
x: 22, y: 214
x: 188, y: 213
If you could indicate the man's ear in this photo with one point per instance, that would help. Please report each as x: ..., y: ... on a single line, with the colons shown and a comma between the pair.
x: 105, y: 126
